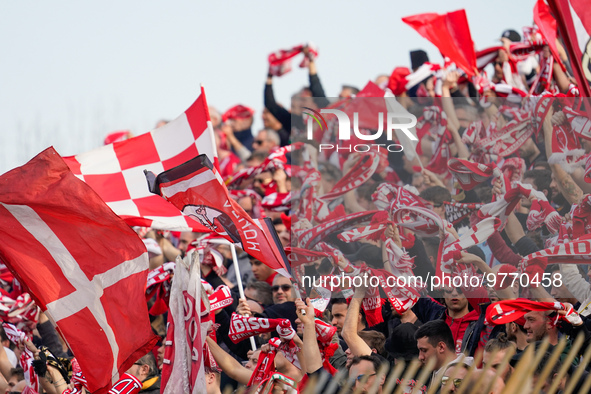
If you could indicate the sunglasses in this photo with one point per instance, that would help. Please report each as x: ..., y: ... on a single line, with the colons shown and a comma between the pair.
x: 360, y: 377
x: 449, y: 291
x: 285, y: 288
x: 455, y: 382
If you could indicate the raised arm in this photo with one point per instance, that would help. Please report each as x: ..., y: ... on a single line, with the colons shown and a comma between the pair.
x: 472, y: 259
x: 310, y: 348
x: 229, y: 364
x: 357, y: 345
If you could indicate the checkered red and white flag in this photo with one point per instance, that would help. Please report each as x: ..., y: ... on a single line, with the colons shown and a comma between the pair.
x: 81, y: 264
x: 116, y: 171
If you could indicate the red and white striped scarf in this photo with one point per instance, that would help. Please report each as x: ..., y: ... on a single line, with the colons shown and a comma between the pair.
x: 403, y: 293
x: 450, y: 248
x: 503, y: 207
x: 357, y: 176
x: 276, y: 160
x: 544, y: 81
x: 365, y: 232
x: 277, y: 202
x: 421, y: 221
x: 438, y: 162
x: 506, y: 141
x: 309, y: 238
x: 579, y: 122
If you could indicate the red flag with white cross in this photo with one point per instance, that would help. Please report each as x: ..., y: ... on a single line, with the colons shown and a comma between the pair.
x: 80, y: 262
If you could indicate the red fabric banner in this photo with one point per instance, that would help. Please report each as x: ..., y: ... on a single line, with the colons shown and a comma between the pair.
x: 450, y: 33
x: 81, y: 264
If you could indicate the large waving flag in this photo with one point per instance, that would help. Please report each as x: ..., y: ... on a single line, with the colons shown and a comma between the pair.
x: 197, y: 189
x: 116, y: 171
x: 573, y: 18
x: 83, y: 265
x: 450, y: 33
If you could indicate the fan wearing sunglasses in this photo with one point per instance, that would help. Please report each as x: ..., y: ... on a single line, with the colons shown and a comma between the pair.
x: 365, y: 369
x: 453, y: 377
x: 282, y: 290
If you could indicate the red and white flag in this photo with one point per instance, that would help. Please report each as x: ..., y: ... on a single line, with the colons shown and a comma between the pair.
x: 116, y: 171
x: 573, y: 19
x: 197, y: 189
x: 81, y: 264
x: 183, y: 368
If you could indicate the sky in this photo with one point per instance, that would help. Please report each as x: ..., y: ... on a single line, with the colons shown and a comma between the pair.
x: 72, y: 71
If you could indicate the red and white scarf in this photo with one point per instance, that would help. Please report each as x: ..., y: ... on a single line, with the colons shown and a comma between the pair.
x: 242, y: 327
x: 309, y: 238
x: 25, y: 361
x: 450, y: 248
x: 220, y: 298
x: 573, y: 252
x: 158, y: 285
x: 503, y: 207
x: 541, y: 212
x: 237, y: 194
x: 128, y: 384
x: 507, y: 311
x: 264, y: 368
x: 280, y: 61
x: 421, y: 221
x: 470, y: 174
x: 357, y: 176
x: 455, y: 212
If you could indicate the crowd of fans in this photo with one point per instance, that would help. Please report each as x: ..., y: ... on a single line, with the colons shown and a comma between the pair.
x: 447, y: 329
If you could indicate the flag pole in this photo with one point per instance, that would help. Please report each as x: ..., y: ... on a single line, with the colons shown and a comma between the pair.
x: 238, y: 277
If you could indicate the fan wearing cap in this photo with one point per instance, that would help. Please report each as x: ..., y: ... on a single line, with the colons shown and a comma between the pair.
x: 240, y: 118
x: 509, y: 36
